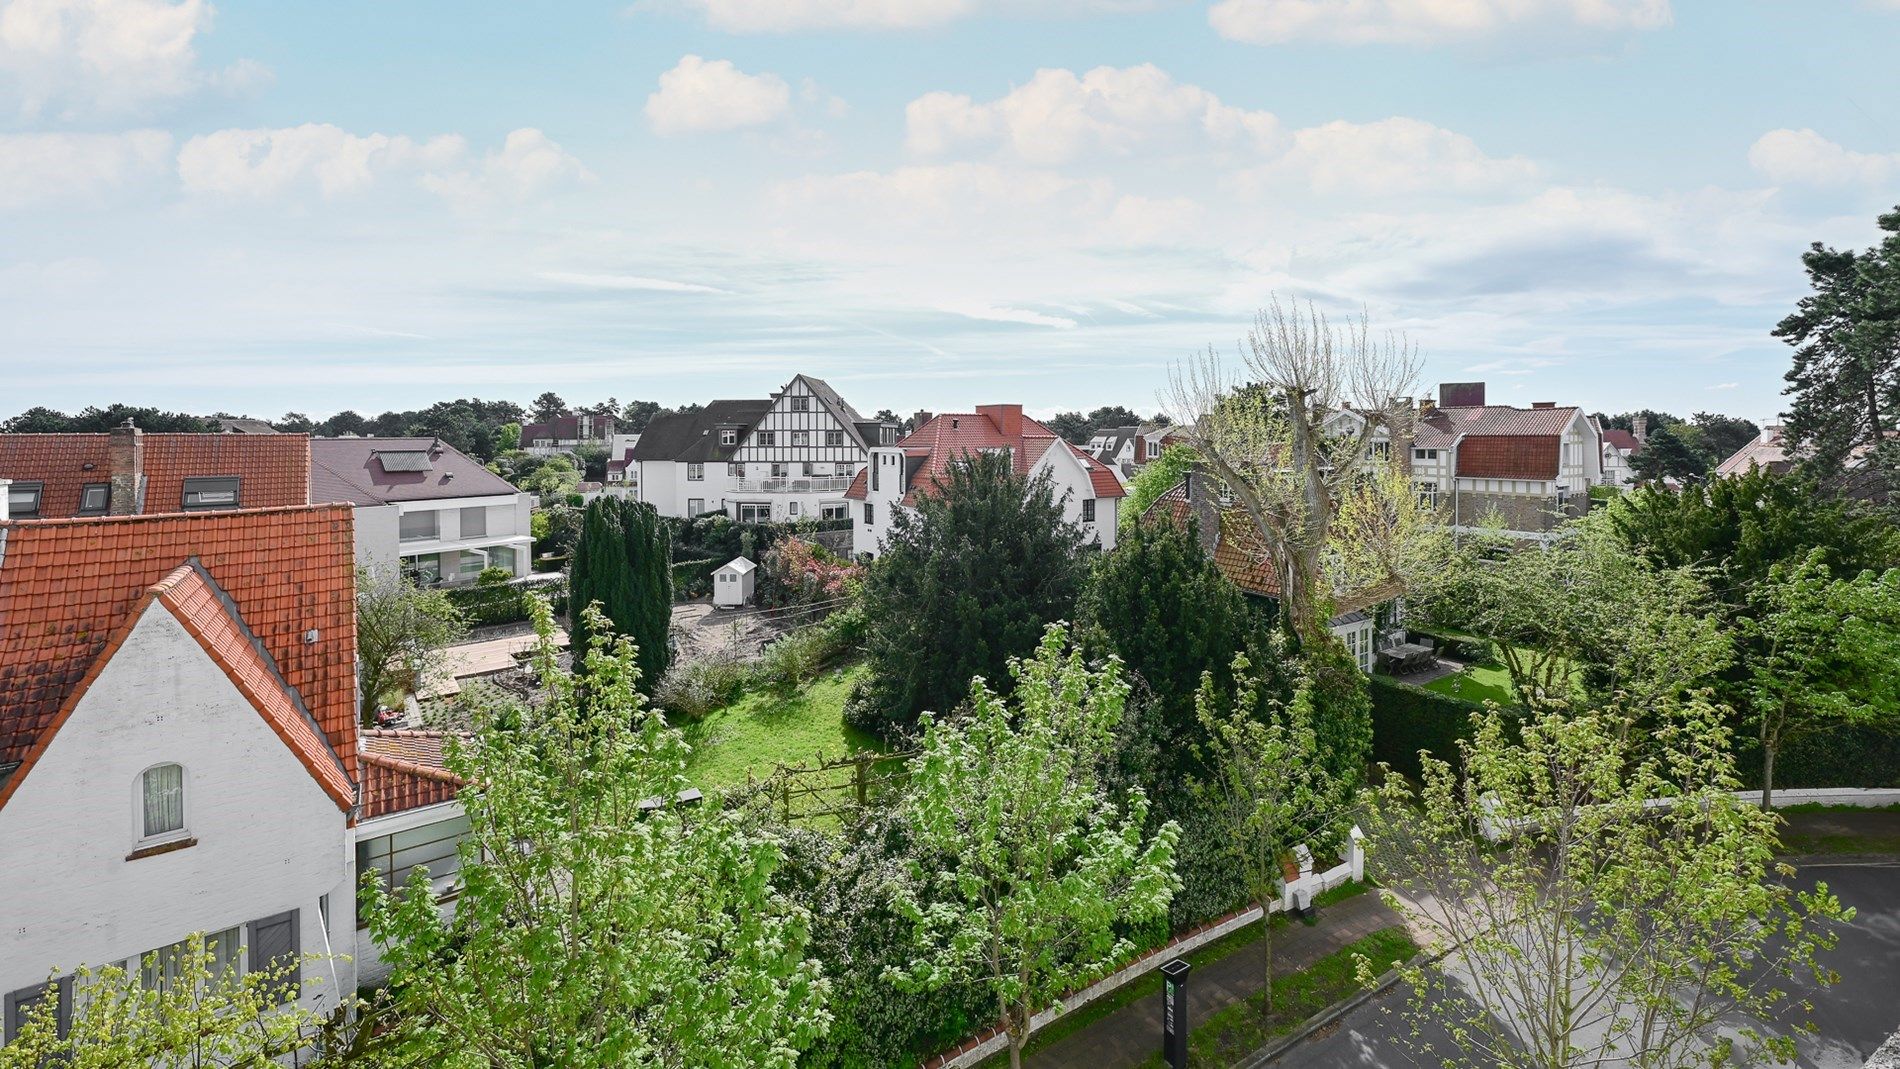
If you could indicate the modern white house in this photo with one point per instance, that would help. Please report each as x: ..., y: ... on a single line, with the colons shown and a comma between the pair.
x: 564, y: 434
x: 623, y: 474
x: 177, y: 748
x: 424, y: 506
x: 897, y: 474
x: 782, y: 459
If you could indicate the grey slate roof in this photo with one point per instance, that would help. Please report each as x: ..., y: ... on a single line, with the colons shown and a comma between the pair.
x: 692, y: 438
x: 349, y: 469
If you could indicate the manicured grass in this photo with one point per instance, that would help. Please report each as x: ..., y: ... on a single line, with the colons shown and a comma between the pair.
x: 764, y: 729
x: 1838, y: 829
x: 1149, y: 985
x: 1477, y: 683
x: 1232, y: 1033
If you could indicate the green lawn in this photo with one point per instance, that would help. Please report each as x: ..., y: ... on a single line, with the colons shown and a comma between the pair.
x: 1477, y: 683
x: 764, y: 729
x: 1230, y: 1034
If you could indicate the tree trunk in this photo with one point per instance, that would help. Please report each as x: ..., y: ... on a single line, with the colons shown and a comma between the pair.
x: 1770, y: 742
x: 1266, y: 961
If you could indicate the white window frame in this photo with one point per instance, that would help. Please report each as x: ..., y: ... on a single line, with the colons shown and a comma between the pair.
x: 801, y: 438
x: 695, y: 473
x: 728, y: 436
x: 104, y: 493
x: 435, y: 526
x: 801, y: 403
x: 142, y: 837
x: 695, y: 506
x: 199, y: 486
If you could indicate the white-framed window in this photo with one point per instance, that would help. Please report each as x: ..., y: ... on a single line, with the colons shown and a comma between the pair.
x: 695, y: 506
x: 417, y: 526
x: 801, y: 403
x: 766, y: 438
x: 162, y: 803
x: 1424, y: 454
x: 728, y: 436
x: 791, y: 508
x: 695, y: 473
x: 423, y: 569
x: 95, y: 499
x: 474, y: 522
x: 1427, y: 491
x: 801, y: 438
x: 755, y: 513
x: 834, y: 439
x: 779, y: 471
x: 736, y: 469
x: 433, y: 846
x: 834, y: 512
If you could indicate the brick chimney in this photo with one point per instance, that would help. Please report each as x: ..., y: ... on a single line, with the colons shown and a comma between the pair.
x: 1639, y: 429
x: 1206, y: 510
x: 126, y: 454
x: 1008, y: 418
x: 919, y: 418
x: 1461, y: 394
x: 1543, y: 404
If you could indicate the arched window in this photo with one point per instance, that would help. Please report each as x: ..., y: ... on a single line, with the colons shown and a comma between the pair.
x: 162, y: 801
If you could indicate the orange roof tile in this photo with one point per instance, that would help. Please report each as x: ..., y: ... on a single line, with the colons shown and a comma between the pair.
x: 68, y: 589
x: 931, y: 448
x: 273, y: 469
x: 1240, y: 554
x: 396, y: 785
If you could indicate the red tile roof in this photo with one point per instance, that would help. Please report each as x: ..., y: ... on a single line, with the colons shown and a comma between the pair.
x: 1509, y: 457
x: 208, y: 616
x: 69, y: 587
x: 403, y: 770
x: 1623, y: 440
x: 945, y: 438
x: 1240, y: 554
x: 273, y: 469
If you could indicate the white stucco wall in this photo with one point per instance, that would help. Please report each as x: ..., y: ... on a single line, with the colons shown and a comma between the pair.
x: 664, y: 485
x: 1069, y: 477
x: 268, y: 838
x: 377, y: 535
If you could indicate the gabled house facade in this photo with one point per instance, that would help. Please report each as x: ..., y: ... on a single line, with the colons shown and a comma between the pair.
x: 899, y: 473
x: 564, y: 434
x: 782, y: 459
x: 178, y: 747
x: 424, y: 507
x: 1619, y: 455
x: 1530, y: 469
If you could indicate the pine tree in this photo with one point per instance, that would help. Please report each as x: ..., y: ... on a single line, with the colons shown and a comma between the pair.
x: 624, y: 562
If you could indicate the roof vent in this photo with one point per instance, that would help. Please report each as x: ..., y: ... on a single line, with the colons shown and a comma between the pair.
x: 955, y: 423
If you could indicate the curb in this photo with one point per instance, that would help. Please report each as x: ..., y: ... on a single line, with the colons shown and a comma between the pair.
x: 1272, y: 1052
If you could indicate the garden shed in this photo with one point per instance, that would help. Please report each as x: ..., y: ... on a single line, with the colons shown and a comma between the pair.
x: 732, y: 583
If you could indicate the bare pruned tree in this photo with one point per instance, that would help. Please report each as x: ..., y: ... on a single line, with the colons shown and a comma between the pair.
x: 1308, y: 435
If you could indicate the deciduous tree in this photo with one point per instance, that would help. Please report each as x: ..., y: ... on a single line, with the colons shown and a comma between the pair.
x: 1039, y: 877
x: 1630, y: 910
x: 401, y: 630
x: 600, y: 924
x: 1155, y: 478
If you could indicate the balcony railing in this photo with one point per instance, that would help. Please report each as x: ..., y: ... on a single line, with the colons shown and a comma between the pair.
x: 817, y: 484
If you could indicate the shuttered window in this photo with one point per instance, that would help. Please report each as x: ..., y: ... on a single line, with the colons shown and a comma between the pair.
x: 25, y: 1004
x: 274, y: 946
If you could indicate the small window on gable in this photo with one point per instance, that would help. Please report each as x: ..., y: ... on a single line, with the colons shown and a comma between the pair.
x: 1088, y: 510
x: 801, y: 403
x: 95, y: 499
x: 23, y: 500
x: 162, y: 802
x: 211, y: 493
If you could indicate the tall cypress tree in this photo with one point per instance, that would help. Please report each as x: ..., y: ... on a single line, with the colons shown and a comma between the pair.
x: 624, y: 561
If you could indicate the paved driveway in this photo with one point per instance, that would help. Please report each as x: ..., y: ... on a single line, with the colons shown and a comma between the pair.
x: 1854, y: 1016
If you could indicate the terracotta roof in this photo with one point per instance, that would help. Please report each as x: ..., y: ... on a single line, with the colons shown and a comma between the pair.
x: 352, y: 470
x: 1501, y: 419
x: 273, y: 469
x: 1768, y: 451
x: 1509, y: 457
x: 1240, y: 554
x: 621, y: 464
x: 394, y: 785
x: 209, y: 615
x: 1623, y: 440
x: 67, y: 587
x: 931, y: 448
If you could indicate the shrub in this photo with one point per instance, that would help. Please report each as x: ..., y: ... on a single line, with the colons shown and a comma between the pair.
x: 489, y: 603
x: 1465, y: 649
x: 1407, y: 719
x: 691, y: 689
x: 693, y: 578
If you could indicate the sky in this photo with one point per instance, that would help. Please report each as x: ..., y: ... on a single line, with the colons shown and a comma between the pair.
x: 373, y: 204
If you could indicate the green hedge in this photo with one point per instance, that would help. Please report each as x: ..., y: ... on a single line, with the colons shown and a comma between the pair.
x: 1465, y: 649
x: 506, y: 603
x: 1407, y: 719
x: 693, y: 578
x: 1844, y: 757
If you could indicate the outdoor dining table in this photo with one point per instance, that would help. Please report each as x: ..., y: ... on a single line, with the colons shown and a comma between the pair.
x: 1406, y: 657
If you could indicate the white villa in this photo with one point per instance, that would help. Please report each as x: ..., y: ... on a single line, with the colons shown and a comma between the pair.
x: 425, y: 506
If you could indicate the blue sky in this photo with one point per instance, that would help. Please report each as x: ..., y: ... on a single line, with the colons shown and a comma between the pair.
x: 931, y: 203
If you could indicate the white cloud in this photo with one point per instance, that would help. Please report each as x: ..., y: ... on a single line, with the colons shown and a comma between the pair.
x: 1724, y: 386
x: 1425, y: 22
x: 700, y: 95
x: 584, y: 280
x: 997, y: 314
x: 108, y: 56
x: 781, y: 16
x: 41, y: 168
x: 1396, y: 155
x: 1058, y: 116
x: 267, y: 162
x: 528, y: 163
x: 1803, y: 157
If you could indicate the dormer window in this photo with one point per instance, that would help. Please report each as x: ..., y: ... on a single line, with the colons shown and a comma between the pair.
x: 728, y: 436
x: 95, y: 499
x: 210, y: 493
x: 162, y: 802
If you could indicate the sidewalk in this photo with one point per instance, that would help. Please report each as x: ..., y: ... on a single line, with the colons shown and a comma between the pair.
x: 1132, y: 1034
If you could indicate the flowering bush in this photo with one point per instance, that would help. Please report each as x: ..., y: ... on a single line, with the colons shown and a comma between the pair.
x: 798, y: 572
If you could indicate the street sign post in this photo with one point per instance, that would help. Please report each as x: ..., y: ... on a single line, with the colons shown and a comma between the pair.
x: 1174, y: 1013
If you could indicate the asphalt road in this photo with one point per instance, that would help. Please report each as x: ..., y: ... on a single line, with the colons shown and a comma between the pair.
x: 1853, y: 1016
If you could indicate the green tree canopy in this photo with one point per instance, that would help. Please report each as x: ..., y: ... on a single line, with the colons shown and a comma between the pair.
x: 1155, y: 478
x: 595, y: 929
x: 965, y: 583
x: 1039, y: 877
x: 401, y: 630
x: 623, y: 562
